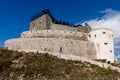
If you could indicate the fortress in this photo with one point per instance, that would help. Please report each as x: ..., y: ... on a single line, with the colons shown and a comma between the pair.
x: 48, y: 34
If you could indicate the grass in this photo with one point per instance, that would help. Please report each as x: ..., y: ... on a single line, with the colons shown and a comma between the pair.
x: 32, y: 66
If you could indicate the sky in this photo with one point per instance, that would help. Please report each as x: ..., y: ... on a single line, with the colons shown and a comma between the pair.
x: 15, y: 15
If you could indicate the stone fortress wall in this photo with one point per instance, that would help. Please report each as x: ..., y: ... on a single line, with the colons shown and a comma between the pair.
x: 55, y: 34
x: 48, y: 34
x: 69, y: 46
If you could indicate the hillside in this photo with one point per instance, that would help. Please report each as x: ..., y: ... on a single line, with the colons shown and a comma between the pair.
x: 35, y: 66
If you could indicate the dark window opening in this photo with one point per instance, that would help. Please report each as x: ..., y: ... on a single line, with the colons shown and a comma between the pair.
x: 60, y: 49
x: 105, y: 43
x: 110, y: 50
x: 89, y: 35
x: 45, y: 49
x: 103, y: 32
x: 71, y: 42
x: 111, y: 36
x: 95, y: 35
x: 108, y: 62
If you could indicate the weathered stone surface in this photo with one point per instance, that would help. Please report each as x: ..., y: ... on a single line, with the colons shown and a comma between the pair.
x: 45, y: 22
x: 55, y: 34
x: 69, y: 46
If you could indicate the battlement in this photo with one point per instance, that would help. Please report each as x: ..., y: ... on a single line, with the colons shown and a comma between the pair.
x: 45, y: 21
x: 55, y: 34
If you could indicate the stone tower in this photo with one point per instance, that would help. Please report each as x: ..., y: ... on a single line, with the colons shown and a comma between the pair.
x: 103, y: 39
x: 41, y: 21
x: 45, y: 21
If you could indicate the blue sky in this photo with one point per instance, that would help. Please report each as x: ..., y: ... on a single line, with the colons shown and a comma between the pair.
x: 15, y: 15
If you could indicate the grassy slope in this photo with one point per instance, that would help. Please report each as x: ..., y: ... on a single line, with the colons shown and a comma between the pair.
x: 16, y: 65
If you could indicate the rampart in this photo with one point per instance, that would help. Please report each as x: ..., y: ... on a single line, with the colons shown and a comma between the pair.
x: 69, y: 46
x: 55, y: 34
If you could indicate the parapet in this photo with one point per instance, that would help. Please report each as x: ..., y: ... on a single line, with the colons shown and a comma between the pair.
x: 45, y: 21
x: 55, y: 34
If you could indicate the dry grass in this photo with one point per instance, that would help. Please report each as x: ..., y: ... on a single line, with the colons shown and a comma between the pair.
x: 33, y: 66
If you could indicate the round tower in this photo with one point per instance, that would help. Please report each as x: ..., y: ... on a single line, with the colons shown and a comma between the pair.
x: 103, y: 39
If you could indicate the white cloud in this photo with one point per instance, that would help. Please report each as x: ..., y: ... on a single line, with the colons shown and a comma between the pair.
x: 110, y: 20
x: 117, y: 47
x: 118, y: 56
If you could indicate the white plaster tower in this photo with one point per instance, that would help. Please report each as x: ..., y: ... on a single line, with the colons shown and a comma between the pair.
x: 103, y: 39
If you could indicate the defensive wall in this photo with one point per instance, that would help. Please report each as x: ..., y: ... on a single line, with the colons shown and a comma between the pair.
x: 69, y: 46
x: 55, y: 34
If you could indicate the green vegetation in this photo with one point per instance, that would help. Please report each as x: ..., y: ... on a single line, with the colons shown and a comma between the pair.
x: 35, y: 66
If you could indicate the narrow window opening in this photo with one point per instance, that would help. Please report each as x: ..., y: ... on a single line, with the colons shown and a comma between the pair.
x: 89, y: 35
x: 111, y: 36
x: 108, y: 62
x: 103, y: 32
x: 45, y: 49
x: 105, y: 43
x: 110, y: 50
x: 60, y: 49
x: 95, y: 35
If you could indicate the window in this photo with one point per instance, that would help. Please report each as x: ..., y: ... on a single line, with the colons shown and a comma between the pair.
x: 89, y: 35
x: 111, y: 36
x: 110, y: 50
x: 105, y: 43
x: 45, y: 49
x: 103, y: 32
x: 108, y: 62
x: 95, y: 35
